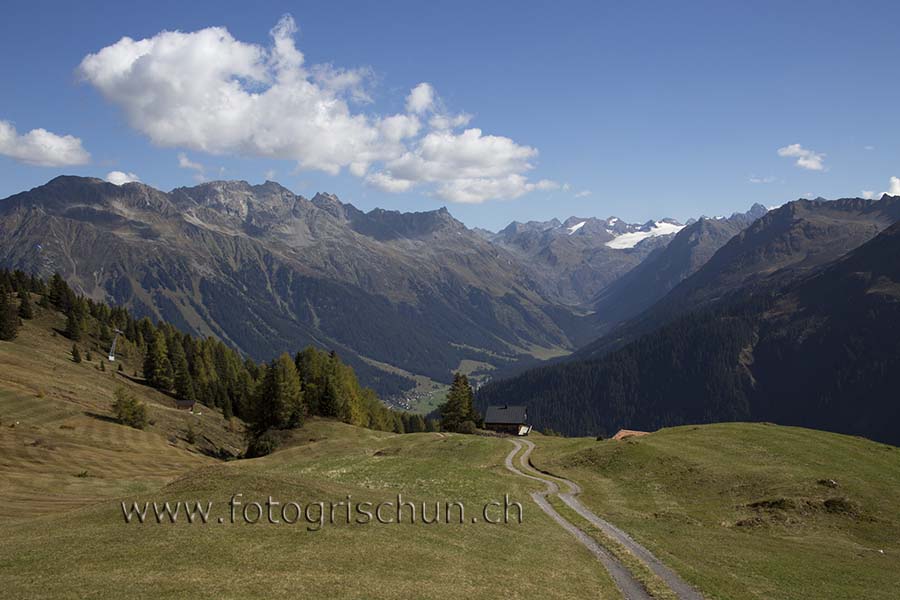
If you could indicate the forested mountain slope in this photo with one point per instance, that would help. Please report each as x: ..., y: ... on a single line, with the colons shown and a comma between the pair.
x: 822, y: 351
x: 782, y: 246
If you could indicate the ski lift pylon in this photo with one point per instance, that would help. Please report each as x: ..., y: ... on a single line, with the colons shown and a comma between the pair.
x: 112, y: 349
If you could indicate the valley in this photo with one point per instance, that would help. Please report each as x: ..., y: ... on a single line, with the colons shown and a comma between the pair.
x: 445, y: 301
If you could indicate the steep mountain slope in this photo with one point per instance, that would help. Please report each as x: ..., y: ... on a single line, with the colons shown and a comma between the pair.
x: 269, y: 271
x: 664, y: 268
x: 822, y: 351
x: 574, y: 260
x: 781, y: 246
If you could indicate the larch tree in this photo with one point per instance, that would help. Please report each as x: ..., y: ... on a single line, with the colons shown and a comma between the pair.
x: 280, y: 400
x: 157, y: 368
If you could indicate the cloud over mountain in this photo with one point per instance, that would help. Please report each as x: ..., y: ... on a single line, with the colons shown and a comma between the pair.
x: 41, y: 148
x: 121, y: 178
x: 207, y: 91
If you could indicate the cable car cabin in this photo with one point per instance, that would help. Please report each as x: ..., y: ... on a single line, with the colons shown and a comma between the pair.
x: 507, y: 419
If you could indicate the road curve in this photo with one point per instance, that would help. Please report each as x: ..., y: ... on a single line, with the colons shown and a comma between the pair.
x: 679, y: 586
x: 631, y: 589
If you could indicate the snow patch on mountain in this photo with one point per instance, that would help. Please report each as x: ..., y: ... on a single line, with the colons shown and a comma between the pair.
x: 630, y: 240
x: 576, y: 227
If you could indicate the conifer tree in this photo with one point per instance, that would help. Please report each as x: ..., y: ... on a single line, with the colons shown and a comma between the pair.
x: 9, y: 317
x: 328, y: 400
x: 73, y: 325
x: 128, y: 410
x: 184, y: 384
x: 459, y: 406
x: 26, y: 310
x: 280, y: 401
x: 418, y: 423
x: 157, y: 368
x: 76, y: 354
x: 105, y: 334
x: 58, y: 292
x: 398, y: 423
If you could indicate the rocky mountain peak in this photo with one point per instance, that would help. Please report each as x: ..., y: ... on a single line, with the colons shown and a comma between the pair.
x: 391, y: 224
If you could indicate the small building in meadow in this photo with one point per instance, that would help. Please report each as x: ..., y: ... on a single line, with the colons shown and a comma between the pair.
x: 507, y: 419
x: 182, y: 404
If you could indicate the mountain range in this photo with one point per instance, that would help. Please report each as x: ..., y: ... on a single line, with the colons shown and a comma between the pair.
x: 650, y: 324
x: 667, y: 266
x: 398, y: 295
x: 574, y: 260
x: 795, y: 320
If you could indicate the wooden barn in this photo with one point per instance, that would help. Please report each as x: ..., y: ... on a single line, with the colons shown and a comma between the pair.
x: 507, y: 419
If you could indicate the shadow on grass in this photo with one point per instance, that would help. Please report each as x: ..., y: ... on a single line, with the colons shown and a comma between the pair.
x: 99, y: 417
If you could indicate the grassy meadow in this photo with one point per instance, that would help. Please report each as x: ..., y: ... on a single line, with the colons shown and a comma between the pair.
x: 66, y: 465
x: 739, y: 510
x: 749, y: 510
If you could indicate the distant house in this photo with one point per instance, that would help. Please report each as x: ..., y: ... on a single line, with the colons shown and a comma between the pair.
x: 507, y: 419
x: 184, y: 404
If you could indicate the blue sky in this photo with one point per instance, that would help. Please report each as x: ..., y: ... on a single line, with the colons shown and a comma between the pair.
x: 581, y: 108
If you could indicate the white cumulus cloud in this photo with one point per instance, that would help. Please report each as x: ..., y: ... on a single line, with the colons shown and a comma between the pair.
x: 206, y: 91
x: 186, y: 163
x: 420, y: 98
x: 41, y: 148
x: 475, y: 191
x: 121, y: 178
x: 583, y: 194
x: 806, y: 159
x: 386, y: 183
x: 894, y: 189
x: 468, y: 167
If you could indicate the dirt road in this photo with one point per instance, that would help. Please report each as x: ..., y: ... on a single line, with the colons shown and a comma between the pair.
x: 623, y: 578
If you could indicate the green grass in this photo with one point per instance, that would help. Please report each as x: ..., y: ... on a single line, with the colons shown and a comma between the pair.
x: 91, y: 549
x: 655, y: 586
x: 65, y: 429
x: 65, y: 467
x: 738, y: 510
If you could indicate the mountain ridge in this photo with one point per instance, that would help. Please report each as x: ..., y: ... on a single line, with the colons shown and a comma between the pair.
x: 819, y: 349
x: 350, y: 281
